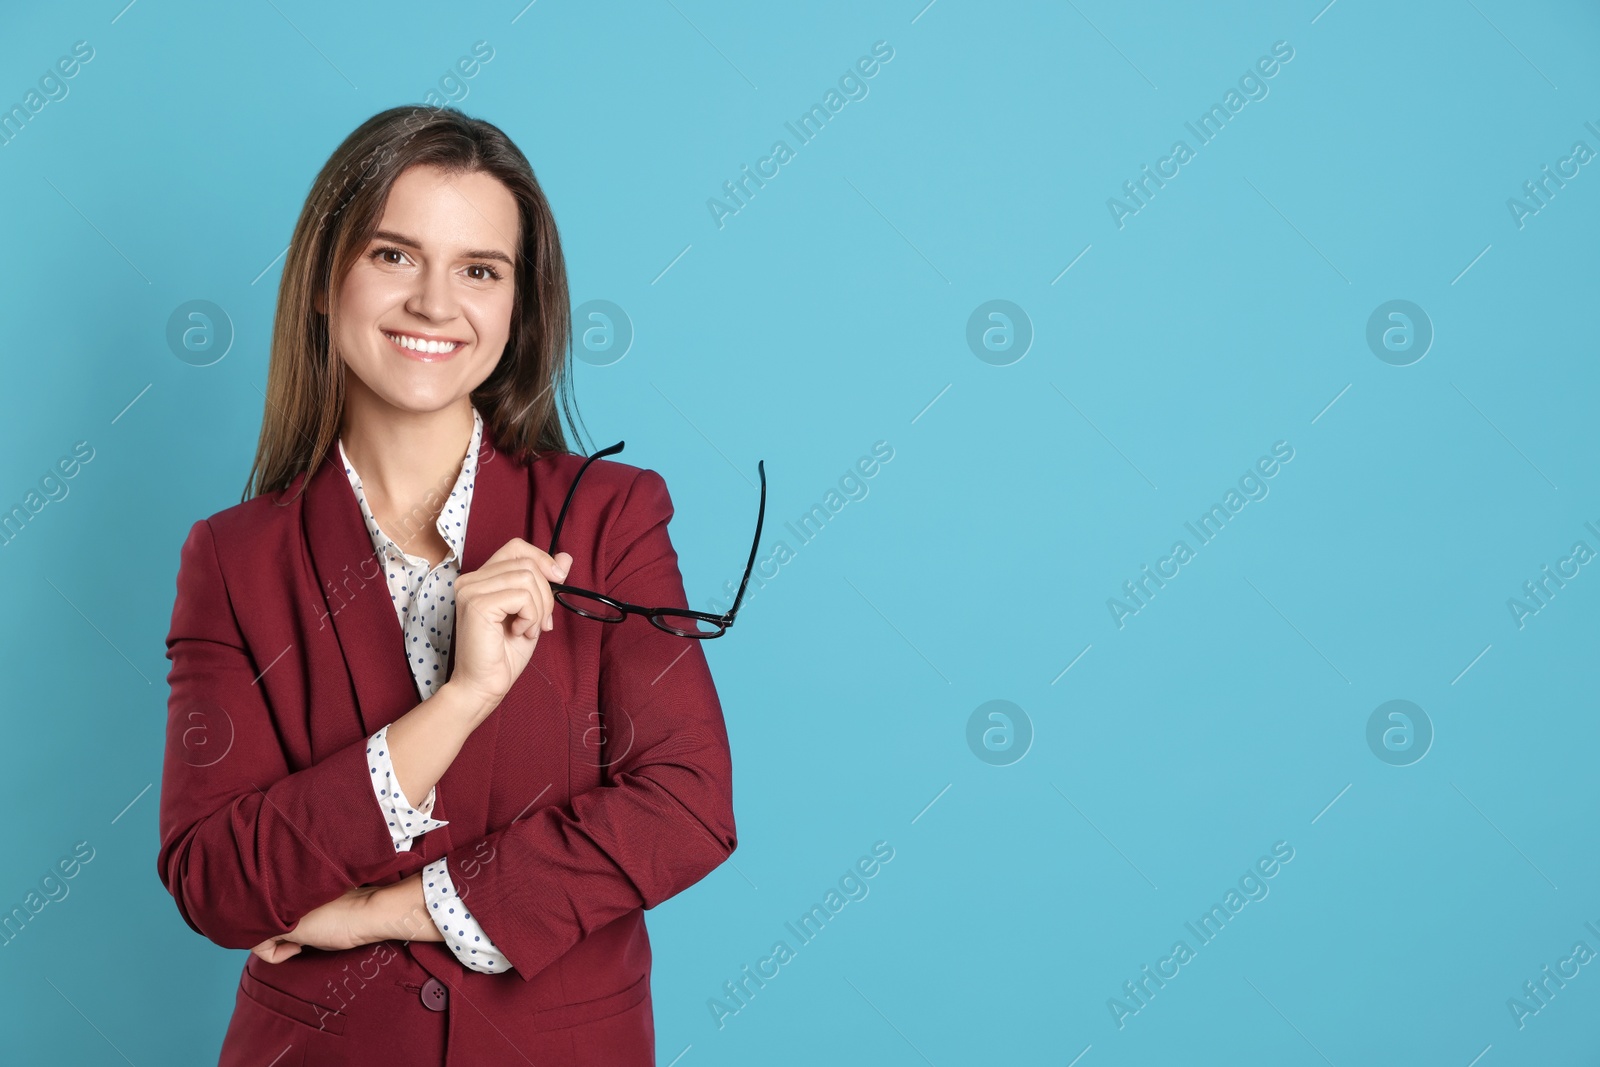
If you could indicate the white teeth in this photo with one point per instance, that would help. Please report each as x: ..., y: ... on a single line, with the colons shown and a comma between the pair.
x: 419, y: 345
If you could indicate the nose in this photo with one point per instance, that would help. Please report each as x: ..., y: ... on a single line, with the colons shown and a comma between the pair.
x: 434, y: 296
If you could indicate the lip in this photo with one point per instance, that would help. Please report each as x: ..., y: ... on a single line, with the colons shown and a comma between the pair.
x: 424, y: 357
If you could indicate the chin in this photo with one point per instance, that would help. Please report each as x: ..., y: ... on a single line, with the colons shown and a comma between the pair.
x: 423, y: 404
x: 419, y: 397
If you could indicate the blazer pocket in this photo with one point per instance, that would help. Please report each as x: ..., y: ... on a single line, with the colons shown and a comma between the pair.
x: 304, y: 1011
x: 588, y: 1011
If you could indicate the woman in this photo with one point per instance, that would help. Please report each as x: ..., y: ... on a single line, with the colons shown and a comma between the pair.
x: 375, y: 623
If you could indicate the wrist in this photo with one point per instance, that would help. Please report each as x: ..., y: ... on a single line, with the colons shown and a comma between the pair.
x: 465, y: 703
x: 399, y: 912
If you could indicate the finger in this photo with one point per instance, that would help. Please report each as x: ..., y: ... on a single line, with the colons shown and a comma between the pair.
x: 528, y: 573
x: 276, y: 951
x: 555, y: 567
x: 547, y: 570
x: 514, y: 605
x: 516, y: 546
x: 520, y: 576
x: 519, y: 549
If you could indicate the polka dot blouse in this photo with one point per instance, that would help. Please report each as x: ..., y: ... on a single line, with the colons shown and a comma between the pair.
x: 425, y: 602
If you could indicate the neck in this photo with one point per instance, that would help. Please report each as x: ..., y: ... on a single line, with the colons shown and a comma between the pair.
x: 407, y: 460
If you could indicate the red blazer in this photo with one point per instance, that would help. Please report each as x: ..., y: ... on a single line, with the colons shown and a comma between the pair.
x: 599, y: 787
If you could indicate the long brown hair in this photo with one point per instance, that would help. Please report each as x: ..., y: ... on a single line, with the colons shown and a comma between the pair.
x: 305, y: 381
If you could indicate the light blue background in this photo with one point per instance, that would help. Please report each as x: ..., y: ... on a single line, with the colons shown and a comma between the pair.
x: 829, y: 313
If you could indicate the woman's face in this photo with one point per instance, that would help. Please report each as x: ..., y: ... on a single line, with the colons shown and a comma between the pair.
x: 440, y: 268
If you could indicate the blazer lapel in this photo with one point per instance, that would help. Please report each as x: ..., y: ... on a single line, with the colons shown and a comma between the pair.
x: 356, y: 597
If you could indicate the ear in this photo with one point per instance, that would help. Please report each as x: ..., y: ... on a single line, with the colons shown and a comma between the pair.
x: 320, y: 301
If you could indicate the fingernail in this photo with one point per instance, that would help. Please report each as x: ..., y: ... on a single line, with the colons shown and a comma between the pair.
x: 561, y: 569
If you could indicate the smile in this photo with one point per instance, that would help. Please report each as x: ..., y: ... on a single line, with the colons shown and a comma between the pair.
x: 420, y: 348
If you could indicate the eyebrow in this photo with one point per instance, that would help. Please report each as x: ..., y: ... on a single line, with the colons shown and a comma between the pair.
x: 470, y: 253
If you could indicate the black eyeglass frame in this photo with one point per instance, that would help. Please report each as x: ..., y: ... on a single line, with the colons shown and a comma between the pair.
x: 655, y: 615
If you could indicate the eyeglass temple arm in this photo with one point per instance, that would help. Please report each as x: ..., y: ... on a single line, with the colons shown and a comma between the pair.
x: 761, y: 515
x: 555, y: 534
x: 761, y: 467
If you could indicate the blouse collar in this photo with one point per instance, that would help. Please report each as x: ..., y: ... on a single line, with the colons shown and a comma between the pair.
x: 452, y: 522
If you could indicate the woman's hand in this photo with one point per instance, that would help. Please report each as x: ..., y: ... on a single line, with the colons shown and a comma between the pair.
x: 501, y: 609
x: 338, y: 924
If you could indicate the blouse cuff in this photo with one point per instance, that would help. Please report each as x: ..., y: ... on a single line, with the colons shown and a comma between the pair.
x: 461, y: 931
x: 406, y: 820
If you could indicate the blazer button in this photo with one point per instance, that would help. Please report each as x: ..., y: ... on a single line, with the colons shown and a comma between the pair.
x: 435, y: 997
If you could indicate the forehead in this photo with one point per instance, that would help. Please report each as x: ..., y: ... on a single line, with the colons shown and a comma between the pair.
x: 446, y: 211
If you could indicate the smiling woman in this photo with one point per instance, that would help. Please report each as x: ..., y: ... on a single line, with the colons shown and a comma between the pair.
x: 419, y: 209
x: 424, y: 290
x: 397, y: 776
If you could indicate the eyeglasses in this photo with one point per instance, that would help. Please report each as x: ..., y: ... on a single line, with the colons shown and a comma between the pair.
x: 681, y: 622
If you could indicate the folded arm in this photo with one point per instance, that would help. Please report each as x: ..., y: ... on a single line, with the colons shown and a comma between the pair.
x: 247, y: 847
x: 443, y: 904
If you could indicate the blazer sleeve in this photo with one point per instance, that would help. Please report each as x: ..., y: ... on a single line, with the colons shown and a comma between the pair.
x: 665, y: 819
x: 247, y: 847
